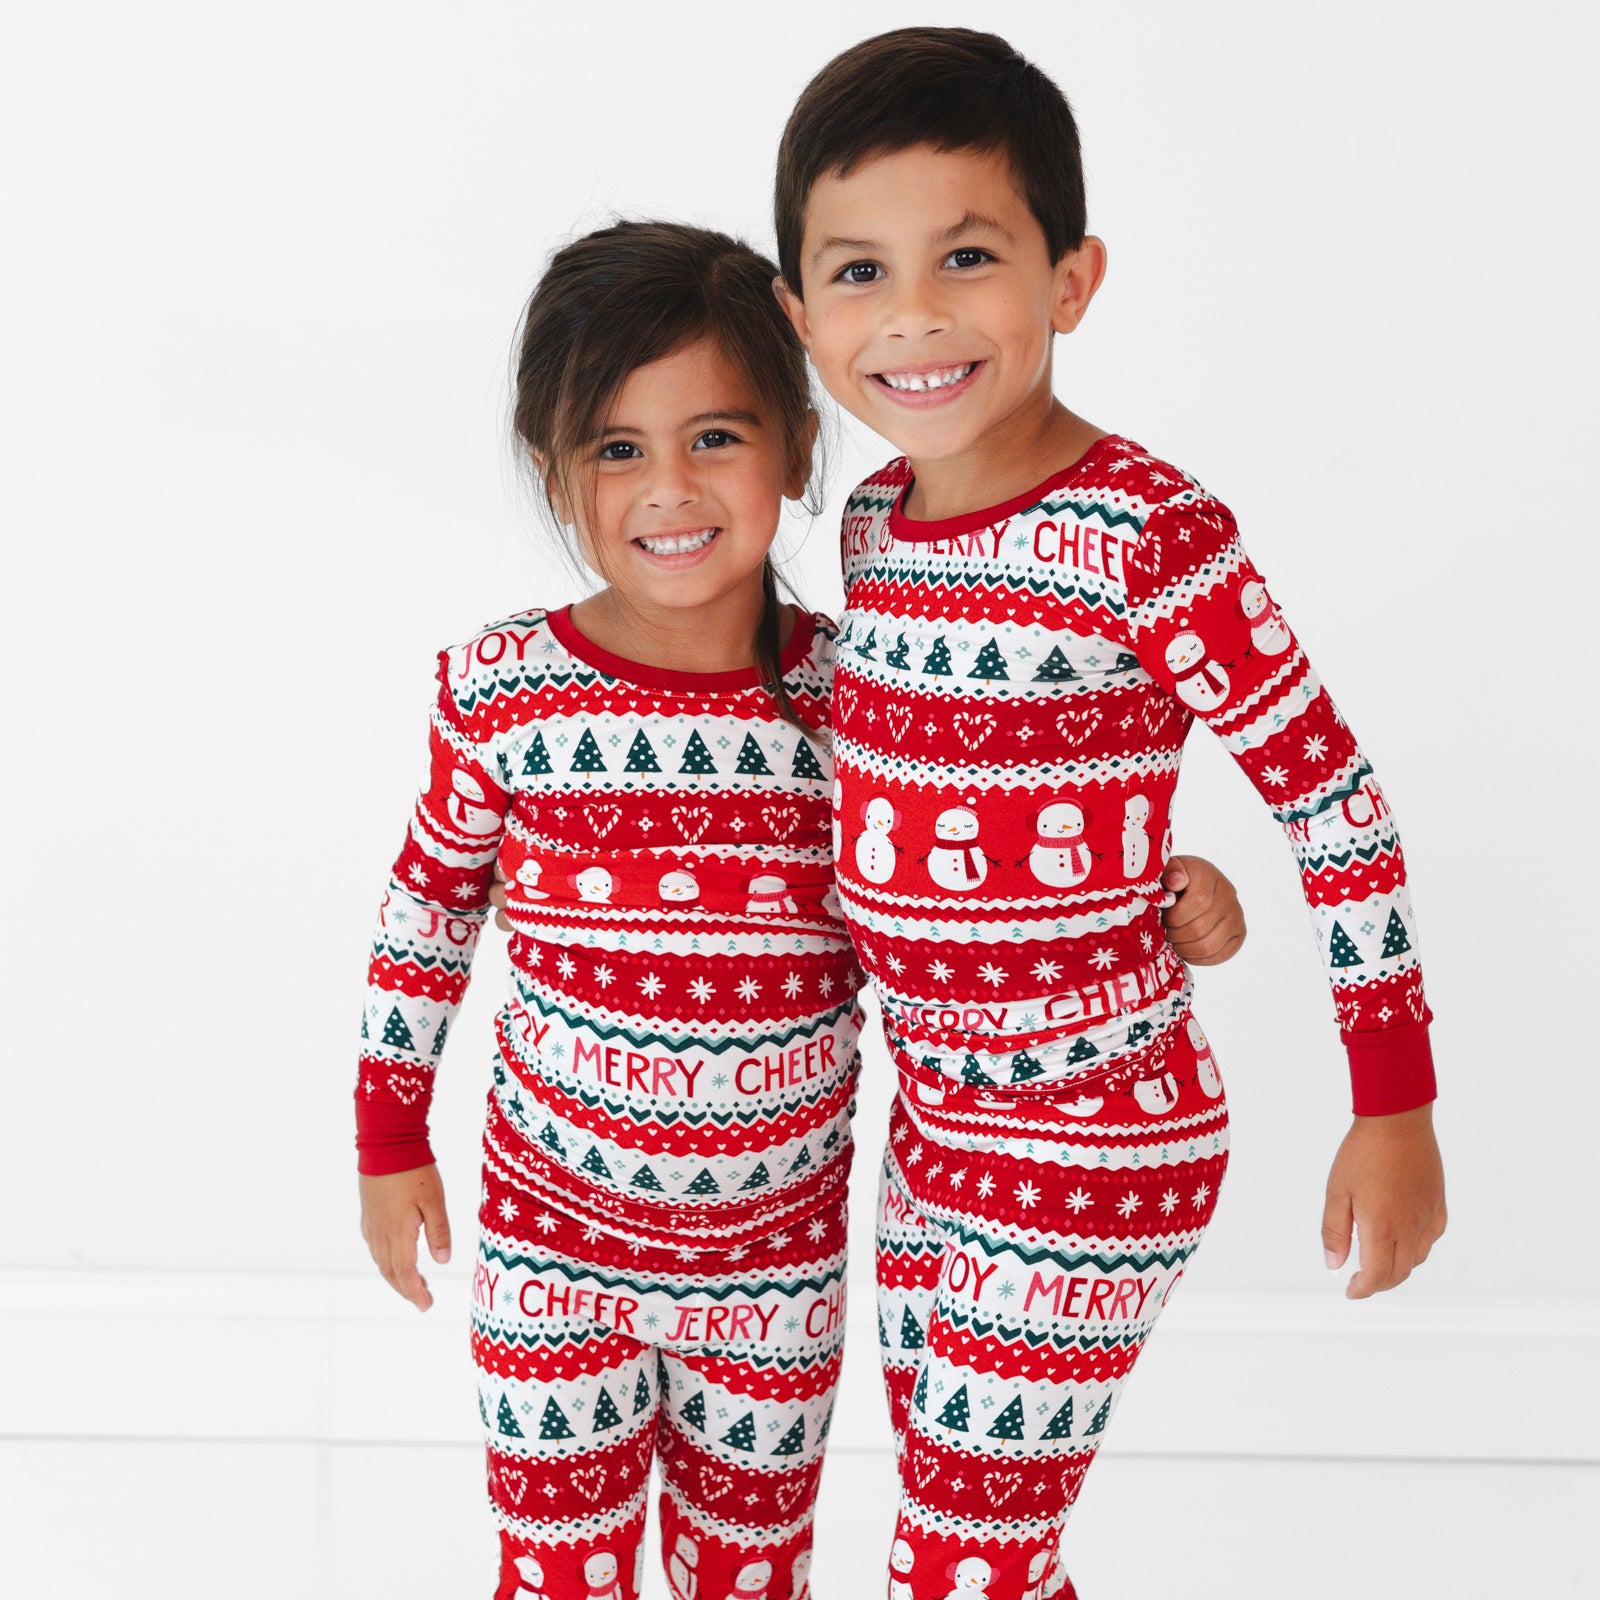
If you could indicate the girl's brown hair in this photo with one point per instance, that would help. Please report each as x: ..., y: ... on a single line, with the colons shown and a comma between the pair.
x: 634, y: 293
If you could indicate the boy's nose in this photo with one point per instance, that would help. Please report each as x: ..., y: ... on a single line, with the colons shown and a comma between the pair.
x: 915, y: 311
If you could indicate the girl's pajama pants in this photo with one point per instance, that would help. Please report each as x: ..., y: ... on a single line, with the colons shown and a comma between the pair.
x: 710, y: 1342
x: 1026, y: 1247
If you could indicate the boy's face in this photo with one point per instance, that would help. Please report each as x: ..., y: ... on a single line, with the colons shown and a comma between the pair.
x: 930, y: 300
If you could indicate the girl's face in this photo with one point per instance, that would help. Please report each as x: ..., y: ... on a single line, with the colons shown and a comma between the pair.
x: 687, y: 478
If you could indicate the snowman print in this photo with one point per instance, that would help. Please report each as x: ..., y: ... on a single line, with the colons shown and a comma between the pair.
x: 1202, y: 683
x: 956, y: 861
x: 532, y: 1575
x: 1135, y: 841
x: 678, y: 888
x: 1209, y: 1078
x: 1156, y: 1096
x: 838, y: 820
x: 1060, y: 857
x: 970, y: 1579
x: 1269, y: 633
x: 528, y: 881
x: 1038, y: 1568
x: 600, y: 1573
x: 466, y: 808
x: 768, y: 893
x: 901, y: 1559
x: 875, y: 850
x: 681, y: 1565
x: 751, y: 1581
x: 800, y: 1576
x: 594, y: 884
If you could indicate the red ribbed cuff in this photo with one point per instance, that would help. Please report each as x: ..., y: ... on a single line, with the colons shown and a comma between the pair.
x: 1391, y: 1069
x: 391, y: 1138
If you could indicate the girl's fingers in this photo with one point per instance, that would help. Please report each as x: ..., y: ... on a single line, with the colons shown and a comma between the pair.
x: 436, y: 1229
x: 1336, y: 1224
x: 1376, y: 1271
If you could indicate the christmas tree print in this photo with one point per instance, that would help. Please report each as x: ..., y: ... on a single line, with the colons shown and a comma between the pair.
x: 704, y: 1183
x: 919, y: 1395
x: 758, y: 1179
x: 1395, y: 942
x: 938, y: 662
x: 396, y: 1033
x: 868, y: 645
x: 553, y: 1424
x: 641, y: 1395
x: 1125, y: 662
x: 439, y: 1036
x: 801, y: 1161
x: 1024, y: 1066
x: 586, y: 758
x: 594, y: 1162
x: 644, y: 1178
x: 751, y: 761
x: 742, y: 1435
x: 957, y: 1412
x: 910, y: 1331
x: 1008, y: 1425
x: 1060, y: 1426
x: 641, y: 755
x: 972, y: 1072
x: 900, y: 656
x: 694, y: 1411
x: 507, y: 1423
x: 794, y: 1441
x: 1081, y: 1051
x: 551, y: 1140
x: 1055, y: 668
x: 1101, y: 1417
x: 364, y: 1033
x: 696, y: 758
x: 805, y: 762
x: 1342, y: 951
x: 606, y: 1414
x: 991, y: 664
x: 537, y: 761
x: 483, y: 1410
x: 883, y: 1332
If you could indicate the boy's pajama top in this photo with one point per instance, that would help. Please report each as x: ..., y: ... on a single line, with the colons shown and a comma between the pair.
x: 1013, y: 692
x: 662, y: 1245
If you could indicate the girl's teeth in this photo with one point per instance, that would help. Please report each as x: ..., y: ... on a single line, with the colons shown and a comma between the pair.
x: 677, y: 544
x: 918, y: 382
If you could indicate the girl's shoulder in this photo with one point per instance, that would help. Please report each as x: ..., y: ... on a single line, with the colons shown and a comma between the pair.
x: 512, y: 657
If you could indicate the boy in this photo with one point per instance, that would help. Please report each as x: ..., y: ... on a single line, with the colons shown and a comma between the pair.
x: 1036, y: 610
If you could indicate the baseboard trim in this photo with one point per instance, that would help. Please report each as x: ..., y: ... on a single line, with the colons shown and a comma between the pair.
x: 337, y: 1360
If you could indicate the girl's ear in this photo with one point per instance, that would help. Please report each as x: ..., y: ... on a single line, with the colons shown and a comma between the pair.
x: 804, y: 453
x: 559, y: 501
x: 794, y: 308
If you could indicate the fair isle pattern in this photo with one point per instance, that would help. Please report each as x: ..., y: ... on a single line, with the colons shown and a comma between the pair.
x: 1013, y: 692
x: 1026, y: 1248
x: 597, y: 1353
x: 683, y: 1027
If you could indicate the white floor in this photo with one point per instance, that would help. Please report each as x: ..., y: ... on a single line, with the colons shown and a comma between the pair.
x: 195, y: 1521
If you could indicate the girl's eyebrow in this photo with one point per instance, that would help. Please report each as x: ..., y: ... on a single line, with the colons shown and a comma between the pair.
x: 747, y: 418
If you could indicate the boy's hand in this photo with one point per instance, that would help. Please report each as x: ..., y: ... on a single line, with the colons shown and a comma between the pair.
x: 1388, y: 1179
x: 497, y: 898
x: 393, y: 1208
x: 1205, y: 925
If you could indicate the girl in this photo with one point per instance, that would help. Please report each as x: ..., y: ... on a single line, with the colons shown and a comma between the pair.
x: 661, y: 1262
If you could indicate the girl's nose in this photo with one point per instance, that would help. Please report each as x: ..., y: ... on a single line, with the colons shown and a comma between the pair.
x: 672, y: 484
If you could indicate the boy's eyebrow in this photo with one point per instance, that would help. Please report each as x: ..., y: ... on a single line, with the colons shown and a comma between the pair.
x: 836, y: 243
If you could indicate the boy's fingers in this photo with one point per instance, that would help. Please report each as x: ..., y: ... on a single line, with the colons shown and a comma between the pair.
x: 1336, y: 1222
x: 408, y: 1280
x: 436, y: 1229
x: 1216, y: 951
x: 497, y: 894
x: 1377, y: 1268
x: 1176, y: 875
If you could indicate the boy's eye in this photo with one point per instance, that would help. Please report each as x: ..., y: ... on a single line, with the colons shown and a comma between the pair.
x: 859, y: 272
x: 618, y: 450
x: 715, y: 439
x: 968, y: 256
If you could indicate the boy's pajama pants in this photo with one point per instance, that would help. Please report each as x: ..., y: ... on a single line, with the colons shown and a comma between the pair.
x: 710, y: 1342
x: 1026, y: 1247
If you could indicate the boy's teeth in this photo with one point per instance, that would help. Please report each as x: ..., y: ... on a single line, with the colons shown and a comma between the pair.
x: 677, y: 544
x: 917, y: 382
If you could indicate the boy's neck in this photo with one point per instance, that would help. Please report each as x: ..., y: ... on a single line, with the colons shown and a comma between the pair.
x: 1006, y: 462
x: 718, y: 637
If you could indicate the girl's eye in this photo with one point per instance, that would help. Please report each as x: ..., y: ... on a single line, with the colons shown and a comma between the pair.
x: 968, y: 256
x: 860, y: 272
x: 715, y: 439
x: 618, y: 450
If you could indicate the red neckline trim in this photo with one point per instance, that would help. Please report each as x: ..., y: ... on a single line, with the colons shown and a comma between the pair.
x: 585, y: 650
x: 903, y: 527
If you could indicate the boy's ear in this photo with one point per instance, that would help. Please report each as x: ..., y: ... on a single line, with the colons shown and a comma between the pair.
x: 1078, y: 275
x: 794, y: 308
x: 804, y: 452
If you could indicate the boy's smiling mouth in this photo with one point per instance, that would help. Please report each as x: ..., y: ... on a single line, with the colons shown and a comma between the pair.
x: 922, y: 386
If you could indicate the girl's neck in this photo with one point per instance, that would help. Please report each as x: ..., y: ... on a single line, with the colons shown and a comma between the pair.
x: 1036, y: 440
x: 719, y: 636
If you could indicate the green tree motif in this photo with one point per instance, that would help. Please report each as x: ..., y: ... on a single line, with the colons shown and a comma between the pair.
x: 694, y: 1411
x: 900, y: 656
x: 704, y: 1183
x: 991, y: 664
x: 752, y: 763
x: 606, y: 1414
x: 742, y: 1435
x: 587, y: 758
x: 594, y: 1162
x: 1008, y: 1425
x: 644, y: 1178
x: 758, y: 1179
x: 537, y: 761
x: 957, y: 1413
x: 910, y: 1331
x: 641, y: 755
x: 1342, y: 951
x: 505, y: 1421
x: 794, y: 1441
x: 938, y: 662
x: 1395, y: 942
x: 553, y: 1424
x: 696, y: 757
x: 1060, y: 1425
x: 395, y: 1032
x: 805, y: 762
x: 1055, y: 668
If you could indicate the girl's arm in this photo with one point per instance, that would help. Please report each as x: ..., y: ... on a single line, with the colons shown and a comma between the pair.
x: 428, y: 926
x: 1204, y: 626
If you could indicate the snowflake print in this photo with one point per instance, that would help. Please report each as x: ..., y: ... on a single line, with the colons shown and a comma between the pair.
x: 1276, y: 776
x: 990, y: 973
x: 900, y: 1134
x: 779, y: 1240
x: 603, y: 975
x: 1046, y: 971
x: 1316, y: 747
x: 546, y: 1224
x: 566, y: 966
x: 590, y: 1233
x: 507, y: 1211
x: 416, y: 874
x: 1027, y: 1195
x: 739, y: 1252
x: 792, y: 985
x: 1103, y: 959
x: 749, y: 989
x: 914, y: 1157
x: 464, y: 891
x: 816, y: 1228
x: 1169, y: 1202
x: 1202, y: 1194
x: 651, y: 985
x: 825, y: 983
x: 1079, y: 1198
x: 1146, y: 942
x: 939, y: 972
x: 958, y: 1177
x: 986, y: 1186
x: 687, y: 1252
x: 1129, y: 1203
x: 701, y: 990
x: 896, y: 965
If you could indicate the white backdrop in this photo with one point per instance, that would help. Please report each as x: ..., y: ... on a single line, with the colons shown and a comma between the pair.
x: 263, y: 270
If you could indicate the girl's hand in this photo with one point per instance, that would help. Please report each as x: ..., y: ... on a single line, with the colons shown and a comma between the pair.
x: 393, y: 1207
x: 1206, y: 923
x: 1388, y: 1179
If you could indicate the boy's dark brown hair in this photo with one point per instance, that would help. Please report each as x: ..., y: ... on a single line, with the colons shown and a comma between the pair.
x: 623, y: 297
x: 950, y: 88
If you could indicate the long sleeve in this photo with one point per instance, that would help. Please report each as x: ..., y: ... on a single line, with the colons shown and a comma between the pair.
x: 428, y: 926
x: 1202, y: 624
